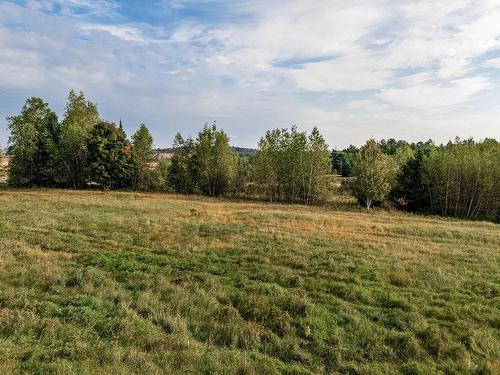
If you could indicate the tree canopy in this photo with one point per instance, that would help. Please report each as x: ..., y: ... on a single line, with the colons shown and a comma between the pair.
x: 33, y: 134
x: 111, y: 162
x: 374, y: 174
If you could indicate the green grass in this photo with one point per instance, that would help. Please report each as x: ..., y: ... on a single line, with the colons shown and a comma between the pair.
x: 95, y: 282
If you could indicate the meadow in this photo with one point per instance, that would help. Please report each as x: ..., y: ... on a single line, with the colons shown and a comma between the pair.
x: 115, y: 282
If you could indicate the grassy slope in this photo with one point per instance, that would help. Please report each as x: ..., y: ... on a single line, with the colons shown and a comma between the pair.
x: 123, y: 282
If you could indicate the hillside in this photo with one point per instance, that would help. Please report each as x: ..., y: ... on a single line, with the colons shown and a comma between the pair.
x: 149, y: 283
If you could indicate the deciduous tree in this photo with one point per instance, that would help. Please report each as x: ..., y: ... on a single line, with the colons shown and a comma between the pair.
x: 181, y: 172
x: 33, y: 136
x: 463, y: 179
x: 290, y: 165
x: 145, y: 157
x: 79, y: 118
x: 318, y: 165
x: 111, y: 162
x: 374, y: 174
x: 215, y: 161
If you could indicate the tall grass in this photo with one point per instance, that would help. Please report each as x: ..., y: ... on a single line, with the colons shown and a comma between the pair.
x: 108, y: 282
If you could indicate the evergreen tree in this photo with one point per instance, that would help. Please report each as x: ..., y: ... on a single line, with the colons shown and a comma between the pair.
x: 410, y: 193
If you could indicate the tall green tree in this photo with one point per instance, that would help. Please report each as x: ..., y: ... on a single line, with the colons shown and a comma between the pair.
x: 294, y: 167
x: 215, y: 161
x: 110, y: 158
x: 291, y: 166
x: 374, y: 174
x: 145, y: 157
x: 409, y: 192
x: 463, y: 179
x: 286, y: 151
x: 33, y: 136
x: 318, y: 165
x: 80, y: 117
x: 181, y: 172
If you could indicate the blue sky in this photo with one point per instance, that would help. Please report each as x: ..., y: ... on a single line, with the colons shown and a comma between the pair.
x: 356, y: 69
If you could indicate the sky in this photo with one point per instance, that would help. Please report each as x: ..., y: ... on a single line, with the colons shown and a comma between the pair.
x: 413, y: 70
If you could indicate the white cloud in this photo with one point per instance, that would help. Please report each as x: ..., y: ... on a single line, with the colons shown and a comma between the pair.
x: 128, y: 33
x: 445, y: 36
x: 355, y: 68
x: 428, y: 96
x: 311, y: 28
x: 352, y: 72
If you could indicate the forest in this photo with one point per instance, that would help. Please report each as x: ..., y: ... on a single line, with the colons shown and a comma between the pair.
x: 458, y: 179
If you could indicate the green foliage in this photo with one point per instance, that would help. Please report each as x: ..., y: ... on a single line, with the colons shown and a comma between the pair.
x: 459, y: 179
x: 268, y: 165
x: 33, y: 136
x: 79, y: 118
x: 111, y: 161
x: 463, y: 179
x: 242, y: 183
x: 206, y: 165
x: 342, y: 160
x: 290, y: 165
x: 403, y: 154
x: 374, y: 174
x: 214, y: 161
x: 145, y: 158
x: 318, y: 166
x: 402, y: 151
x: 391, y: 146
x: 181, y: 173
x: 410, y: 192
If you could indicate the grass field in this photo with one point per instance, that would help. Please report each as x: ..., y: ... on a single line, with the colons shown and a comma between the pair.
x: 102, y: 282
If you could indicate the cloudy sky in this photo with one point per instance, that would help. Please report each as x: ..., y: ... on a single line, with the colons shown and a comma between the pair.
x: 356, y: 69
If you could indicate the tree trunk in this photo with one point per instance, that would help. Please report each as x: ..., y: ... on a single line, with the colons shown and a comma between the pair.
x: 368, y: 203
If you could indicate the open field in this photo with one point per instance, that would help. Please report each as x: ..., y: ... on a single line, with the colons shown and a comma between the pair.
x: 105, y: 282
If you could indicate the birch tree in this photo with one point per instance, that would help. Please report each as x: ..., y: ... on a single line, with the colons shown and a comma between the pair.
x: 374, y: 174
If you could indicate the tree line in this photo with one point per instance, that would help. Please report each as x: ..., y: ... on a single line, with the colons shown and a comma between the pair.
x: 79, y: 151
x: 459, y: 179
